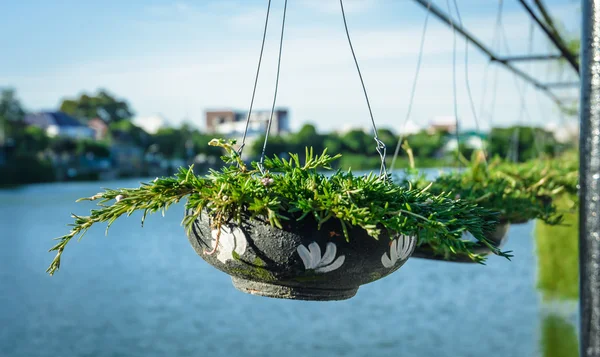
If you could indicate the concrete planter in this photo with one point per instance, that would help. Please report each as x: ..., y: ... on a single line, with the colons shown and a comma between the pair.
x: 498, y: 238
x: 516, y: 221
x: 299, y: 262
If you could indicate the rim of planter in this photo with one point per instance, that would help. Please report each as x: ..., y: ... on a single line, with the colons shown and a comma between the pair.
x: 497, y: 238
x: 299, y: 262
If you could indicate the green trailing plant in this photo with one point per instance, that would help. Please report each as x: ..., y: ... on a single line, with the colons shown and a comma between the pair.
x: 284, y: 190
x: 549, y: 177
x: 519, y: 192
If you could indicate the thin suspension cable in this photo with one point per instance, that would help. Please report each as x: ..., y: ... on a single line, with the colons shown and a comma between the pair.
x: 262, y: 155
x: 524, y: 86
x: 542, y: 108
x: 493, y: 104
x: 484, y: 85
x: 262, y: 47
x: 467, y: 82
x: 496, y: 41
x: 381, y: 149
x: 457, y: 135
x: 523, y: 110
x: 536, y: 135
x: 414, y: 88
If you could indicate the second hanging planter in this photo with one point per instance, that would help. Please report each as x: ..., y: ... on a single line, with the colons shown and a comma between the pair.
x: 497, y: 238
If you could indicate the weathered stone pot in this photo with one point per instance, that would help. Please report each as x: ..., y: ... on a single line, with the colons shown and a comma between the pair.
x: 300, y: 261
x: 498, y: 238
x: 519, y: 221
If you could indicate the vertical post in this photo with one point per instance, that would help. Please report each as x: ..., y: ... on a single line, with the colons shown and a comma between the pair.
x: 589, y: 203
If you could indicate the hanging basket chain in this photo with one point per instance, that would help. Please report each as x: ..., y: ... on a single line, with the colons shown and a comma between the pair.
x: 380, y: 146
x: 414, y: 88
x: 262, y: 155
x: 262, y: 47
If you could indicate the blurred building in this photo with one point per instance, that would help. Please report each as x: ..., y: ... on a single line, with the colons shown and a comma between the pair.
x: 59, y: 124
x: 565, y: 132
x: 231, y: 123
x: 151, y: 124
x: 100, y: 128
x: 445, y: 124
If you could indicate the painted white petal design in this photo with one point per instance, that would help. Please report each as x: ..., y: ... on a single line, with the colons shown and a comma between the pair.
x: 386, y: 261
x: 329, y: 255
x: 230, y: 240
x: 311, y: 257
x: 400, y: 249
x: 305, y: 256
x: 336, y: 264
x: 394, y: 250
x: 315, y: 254
x: 407, y: 245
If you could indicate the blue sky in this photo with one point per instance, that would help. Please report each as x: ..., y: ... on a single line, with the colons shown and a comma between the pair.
x: 178, y: 58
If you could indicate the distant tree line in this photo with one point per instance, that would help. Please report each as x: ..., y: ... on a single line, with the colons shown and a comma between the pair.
x: 26, y: 148
x: 358, y: 148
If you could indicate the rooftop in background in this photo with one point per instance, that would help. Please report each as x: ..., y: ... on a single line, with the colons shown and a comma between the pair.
x: 59, y: 124
x: 232, y: 122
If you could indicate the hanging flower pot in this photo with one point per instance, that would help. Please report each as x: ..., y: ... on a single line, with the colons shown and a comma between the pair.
x: 286, y: 230
x: 518, y: 192
x: 496, y: 238
x: 299, y: 261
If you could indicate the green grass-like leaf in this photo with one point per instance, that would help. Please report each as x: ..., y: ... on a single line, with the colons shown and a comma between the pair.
x: 291, y: 190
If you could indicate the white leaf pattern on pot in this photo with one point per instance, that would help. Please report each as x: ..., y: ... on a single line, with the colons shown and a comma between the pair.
x: 311, y: 257
x: 400, y: 249
x: 231, y: 239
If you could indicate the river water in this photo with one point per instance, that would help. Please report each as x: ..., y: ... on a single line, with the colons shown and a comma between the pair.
x: 145, y: 292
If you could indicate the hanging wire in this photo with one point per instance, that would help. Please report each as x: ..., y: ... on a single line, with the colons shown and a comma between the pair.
x: 262, y: 155
x: 542, y: 108
x: 414, y: 88
x: 495, y: 41
x: 262, y: 47
x: 381, y: 149
x: 484, y: 85
x: 536, y: 135
x: 454, y: 91
x: 520, y: 90
x: 467, y: 82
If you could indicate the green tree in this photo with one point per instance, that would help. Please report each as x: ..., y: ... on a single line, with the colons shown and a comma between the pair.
x: 137, y: 134
x: 529, y: 143
x: 10, y: 106
x: 98, y: 149
x: 32, y: 140
x: 102, y: 105
x: 358, y: 142
x: 11, y: 114
x: 425, y: 145
x: 388, y: 138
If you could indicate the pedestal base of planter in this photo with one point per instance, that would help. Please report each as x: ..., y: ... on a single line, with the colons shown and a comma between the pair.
x: 289, y: 292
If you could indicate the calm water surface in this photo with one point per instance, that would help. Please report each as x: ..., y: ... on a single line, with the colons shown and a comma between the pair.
x: 145, y: 292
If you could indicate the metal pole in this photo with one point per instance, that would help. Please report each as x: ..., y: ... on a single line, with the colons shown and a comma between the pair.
x: 556, y: 41
x: 562, y: 84
x: 589, y: 202
x: 530, y: 58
